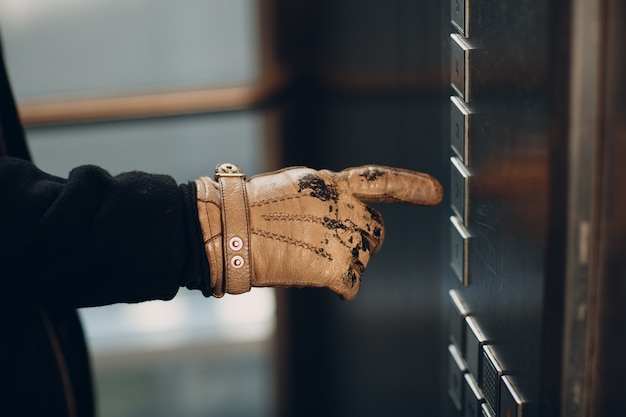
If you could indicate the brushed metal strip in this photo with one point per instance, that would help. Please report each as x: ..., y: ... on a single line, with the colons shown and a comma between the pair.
x: 584, y: 116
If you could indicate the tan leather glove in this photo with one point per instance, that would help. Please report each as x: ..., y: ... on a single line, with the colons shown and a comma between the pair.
x: 298, y: 226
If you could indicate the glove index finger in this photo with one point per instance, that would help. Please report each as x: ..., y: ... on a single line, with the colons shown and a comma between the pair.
x: 381, y: 184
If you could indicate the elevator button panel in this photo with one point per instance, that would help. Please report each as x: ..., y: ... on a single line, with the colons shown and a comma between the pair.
x: 472, y: 406
x: 460, y: 60
x: 456, y: 320
x: 460, y: 177
x: 456, y: 373
x: 459, y: 129
x: 511, y: 403
x: 491, y: 373
x: 474, y: 341
x: 459, y: 241
x: 478, y: 383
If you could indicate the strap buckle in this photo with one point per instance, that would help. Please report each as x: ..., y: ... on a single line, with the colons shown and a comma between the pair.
x: 228, y: 170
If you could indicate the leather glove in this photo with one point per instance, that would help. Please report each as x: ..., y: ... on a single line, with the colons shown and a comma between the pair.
x: 298, y: 226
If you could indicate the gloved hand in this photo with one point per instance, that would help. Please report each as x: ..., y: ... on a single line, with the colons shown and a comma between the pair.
x: 298, y: 226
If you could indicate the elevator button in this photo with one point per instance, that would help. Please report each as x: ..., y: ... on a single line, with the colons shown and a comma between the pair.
x: 490, y: 377
x: 460, y: 59
x: 473, y: 398
x: 456, y: 370
x: 511, y: 403
x: 474, y: 341
x: 459, y: 129
x: 487, y: 412
x: 459, y: 177
x: 459, y: 241
x: 456, y: 321
x: 459, y: 15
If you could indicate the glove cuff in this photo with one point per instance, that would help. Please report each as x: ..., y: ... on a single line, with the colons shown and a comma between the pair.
x: 209, y: 217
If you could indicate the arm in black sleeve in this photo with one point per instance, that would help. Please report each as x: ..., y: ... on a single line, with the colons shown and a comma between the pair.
x: 95, y: 239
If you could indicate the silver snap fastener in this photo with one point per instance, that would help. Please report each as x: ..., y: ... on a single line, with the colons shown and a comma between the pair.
x: 237, y: 261
x: 235, y: 243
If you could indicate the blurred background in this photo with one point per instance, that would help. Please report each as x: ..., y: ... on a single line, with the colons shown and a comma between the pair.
x: 530, y: 248
x: 177, y: 87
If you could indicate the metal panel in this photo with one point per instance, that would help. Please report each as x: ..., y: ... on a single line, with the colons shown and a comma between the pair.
x: 607, y: 366
x: 584, y: 144
x: 515, y: 80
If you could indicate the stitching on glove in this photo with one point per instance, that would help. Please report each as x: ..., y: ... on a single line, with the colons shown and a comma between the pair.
x: 274, y: 200
x: 292, y: 218
x: 319, y: 251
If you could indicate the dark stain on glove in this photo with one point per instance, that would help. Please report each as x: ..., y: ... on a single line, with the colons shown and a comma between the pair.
x: 350, y: 278
x: 372, y: 174
x: 334, y: 224
x: 319, y: 188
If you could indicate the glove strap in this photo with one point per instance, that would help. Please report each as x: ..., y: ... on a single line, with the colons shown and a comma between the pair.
x: 235, y: 228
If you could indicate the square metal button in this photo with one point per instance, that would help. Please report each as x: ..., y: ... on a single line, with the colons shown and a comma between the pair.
x: 459, y: 178
x: 491, y: 373
x: 456, y: 320
x: 511, y: 403
x: 459, y: 15
x: 459, y: 129
x: 456, y: 370
x: 459, y: 250
x: 473, y: 398
x: 487, y: 411
x: 460, y: 61
x: 474, y: 341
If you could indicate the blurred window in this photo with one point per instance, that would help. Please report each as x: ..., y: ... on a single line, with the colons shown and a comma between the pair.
x: 191, y: 356
x: 77, y: 47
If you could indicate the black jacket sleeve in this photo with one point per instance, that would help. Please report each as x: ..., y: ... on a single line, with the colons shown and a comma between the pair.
x: 94, y: 238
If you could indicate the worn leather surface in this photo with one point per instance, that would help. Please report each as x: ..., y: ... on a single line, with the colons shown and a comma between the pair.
x: 309, y: 228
